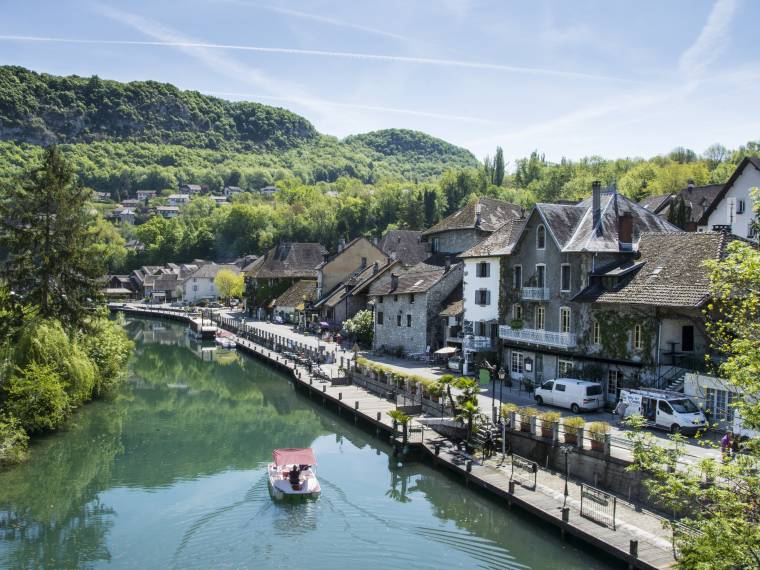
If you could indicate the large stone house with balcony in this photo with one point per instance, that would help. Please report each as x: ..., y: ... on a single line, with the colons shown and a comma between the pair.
x: 558, y: 249
x: 274, y: 272
x: 407, y: 304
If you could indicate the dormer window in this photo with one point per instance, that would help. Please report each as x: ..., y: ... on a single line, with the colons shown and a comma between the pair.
x: 541, y: 237
x: 740, y: 206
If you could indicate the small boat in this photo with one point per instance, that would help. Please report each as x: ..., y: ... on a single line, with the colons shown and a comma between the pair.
x: 292, y: 473
x: 225, y: 342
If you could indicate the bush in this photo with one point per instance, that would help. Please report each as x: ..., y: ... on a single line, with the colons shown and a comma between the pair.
x: 507, y: 409
x: 38, y: 398
x: 549, y: 418
x: 108, y: 347
x: 13, y: 441
x: 528, y: 412
x: 361, y: 326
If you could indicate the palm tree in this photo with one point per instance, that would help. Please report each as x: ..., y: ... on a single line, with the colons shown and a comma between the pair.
x: 468, y: 411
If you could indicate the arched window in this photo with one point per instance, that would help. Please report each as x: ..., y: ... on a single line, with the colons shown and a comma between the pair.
x: 540, y: 237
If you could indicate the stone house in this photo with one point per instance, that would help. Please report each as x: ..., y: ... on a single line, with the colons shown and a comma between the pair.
x: 167, y: 212
x: 337, y: 275
x: 407, y: 304
x: 178, y: 199
x: 144, y: 195
x: 291, y: 305
x: 190, y: 188
x: 273, y: 273
x: 552, y: 260
x: 200, y: 284
x: 469, y: 225
x: 405, y: 245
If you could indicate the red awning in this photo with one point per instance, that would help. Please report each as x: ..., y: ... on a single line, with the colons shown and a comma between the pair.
x: 292, y: 456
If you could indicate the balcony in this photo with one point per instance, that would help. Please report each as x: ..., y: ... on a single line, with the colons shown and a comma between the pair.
x: 535, y: 293
x: 535, y: 336
x: 478, y: 343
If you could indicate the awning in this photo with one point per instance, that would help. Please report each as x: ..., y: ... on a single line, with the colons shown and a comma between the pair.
x: 446, y: 350
x: 294, y: 456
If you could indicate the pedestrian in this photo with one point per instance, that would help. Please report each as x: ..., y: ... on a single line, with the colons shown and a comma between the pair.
x: 620, y: 409
x: 488, y: 445
x: 725, y: 445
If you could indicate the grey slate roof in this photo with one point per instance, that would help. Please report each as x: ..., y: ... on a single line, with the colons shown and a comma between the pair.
x: 406, y: 245
x: 561, y: 220
x: 668, y: 273
x: 701, y: 199
x: 454, y: 303
x: 493, y: 214
x: 418, y: 279
x: 655, y: 204
x: 288, y: 260
x: 499, y: 242
x: 293, y: 296
x: 210, y: 270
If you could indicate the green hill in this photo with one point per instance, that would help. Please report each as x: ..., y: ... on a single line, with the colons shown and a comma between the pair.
x: 146, y: 124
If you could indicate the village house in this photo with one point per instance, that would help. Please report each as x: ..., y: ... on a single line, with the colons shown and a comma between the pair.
x: 230, y: 191
x: 144, y: 195
x: 405, y: 245
x: 190, y: 188
x: 178, y: 199
x: 219, y: 200
x: 292, y: 305
x: 268, y: 191
x: 406, y: 307
x: 123, y: 215
x: 544, y: 326
x: 337, y: 276
x: 131, y: 203
x: 159, y: 283
x: 167, y: 212
x: 200, y: 284
x: 469, y: 225
x: 274, y: 272
x: 118, y: 287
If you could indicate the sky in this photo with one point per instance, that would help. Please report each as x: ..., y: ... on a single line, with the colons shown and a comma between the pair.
x: 569, y: 79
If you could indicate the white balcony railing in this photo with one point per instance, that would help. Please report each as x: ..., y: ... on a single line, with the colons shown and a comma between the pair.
x: 535, y: 336
x: 535, y: 293
x: 478, y: 343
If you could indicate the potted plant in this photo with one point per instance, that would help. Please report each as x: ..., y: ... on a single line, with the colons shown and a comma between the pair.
x: 572, y: 426
x: 598, y: 432
x: 525, y: 418
x: 516, y: 324
x: 548, y: 419
x: 508, y: 409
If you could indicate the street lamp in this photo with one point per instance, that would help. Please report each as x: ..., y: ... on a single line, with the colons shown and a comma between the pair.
x: 502, y: 375
x: 566, y: 450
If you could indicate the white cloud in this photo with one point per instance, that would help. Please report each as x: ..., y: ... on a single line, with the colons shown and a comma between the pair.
x: 711, y: 41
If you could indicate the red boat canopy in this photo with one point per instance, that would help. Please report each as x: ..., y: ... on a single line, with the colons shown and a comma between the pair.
x: 293, y: 456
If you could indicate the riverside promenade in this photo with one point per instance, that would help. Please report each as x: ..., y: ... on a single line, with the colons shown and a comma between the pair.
x: 638, y: 537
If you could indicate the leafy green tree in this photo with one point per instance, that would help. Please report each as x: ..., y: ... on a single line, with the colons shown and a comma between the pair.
x: 47, y: 228
x: 13, y: 441
x: 37, y: 396
x: 361, y: 325
x: 229, y: 284
x: 498, y: 167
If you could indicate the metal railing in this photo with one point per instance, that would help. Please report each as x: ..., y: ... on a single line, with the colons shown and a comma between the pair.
x: 535, y: 293
x: 536, y: 336
x: 598, y: 506
x: 524, y: 471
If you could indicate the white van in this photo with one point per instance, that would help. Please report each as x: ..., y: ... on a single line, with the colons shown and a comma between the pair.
x: 664, y: 409
x: 570, y: 393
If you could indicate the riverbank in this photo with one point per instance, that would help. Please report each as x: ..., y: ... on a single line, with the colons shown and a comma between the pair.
x: 650, y: 548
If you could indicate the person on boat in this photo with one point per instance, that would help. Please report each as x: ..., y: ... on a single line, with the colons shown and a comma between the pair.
x: 295, y: 475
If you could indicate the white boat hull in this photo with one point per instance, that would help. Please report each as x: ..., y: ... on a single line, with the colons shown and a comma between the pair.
x: 281, y: 487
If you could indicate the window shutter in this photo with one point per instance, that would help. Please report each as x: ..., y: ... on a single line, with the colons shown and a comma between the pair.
x: 488, y: 297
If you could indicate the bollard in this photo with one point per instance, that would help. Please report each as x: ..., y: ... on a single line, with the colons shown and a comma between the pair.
x: 437, y: 448
x: 634, y: 548
x: 565, y: 514
x: 379, y: 415
x: 511, y: 487
x: 324, y: 388
x: 468, y: 466
x: 356, y: 405
x: 340, y: 396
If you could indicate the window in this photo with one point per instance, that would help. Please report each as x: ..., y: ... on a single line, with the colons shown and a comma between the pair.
x: 482, y: 297
x: 718, y: 403
x: 665, y: 407
x: 380, y: 299
x: 565, y: 277
x: 517, y: 311
x: 408, y: 320
x: 613, y: 382
x: 195, y: 287
x: 518, y: 362
x: 480, y: 328
x: 560, y: 388
x: 547, y: 385
x: 380, y: 318
x: 596, y: 333
x: 687, y: 338
x: 435, y: 245
x: 483, y: 269
x: 517, y: 274
x: 411, y: 298
x: 541, y: 237
x: 540, y: 318
x: 395, y: 298
x: 740, y: 206
x: 541, y: 276
x: 638, y: 340
x: 564, y: 320
x: 564, y: 369
x: 364, y: 262
x: 398, y: 320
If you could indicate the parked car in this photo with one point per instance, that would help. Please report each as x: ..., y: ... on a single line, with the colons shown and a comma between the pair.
x: 570, y: 393
x: 664, y: 409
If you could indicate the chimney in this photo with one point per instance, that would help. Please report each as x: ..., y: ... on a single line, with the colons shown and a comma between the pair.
x: 596, y: 204
x: 690, y: 185
x: 341, y: 244
x: 477, y: 214
x: 394, y: 281
x: 375, y: 240
x: 625, y: 231
x: 375, y: 268
x: 448, y: 263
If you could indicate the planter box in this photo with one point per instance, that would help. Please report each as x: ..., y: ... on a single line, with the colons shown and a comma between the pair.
x: 525, y: 426
x: 571, y: 438
x: 597, y: 445
x: 547, y: 432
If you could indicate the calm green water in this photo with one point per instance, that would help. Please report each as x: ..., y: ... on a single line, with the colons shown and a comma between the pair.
x: 170, y: 473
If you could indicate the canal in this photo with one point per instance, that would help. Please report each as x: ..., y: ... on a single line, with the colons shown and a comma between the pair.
x: 170, y: 473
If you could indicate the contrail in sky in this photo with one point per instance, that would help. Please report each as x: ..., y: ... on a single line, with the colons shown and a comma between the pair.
x: 536, y: 71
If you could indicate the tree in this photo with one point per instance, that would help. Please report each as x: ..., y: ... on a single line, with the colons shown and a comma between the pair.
x: 719, y: 501
x: 498, y: 167
x: 48, y: 230
x: 679, y: 213
x: 229, y: 284
x: 361, y: 325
